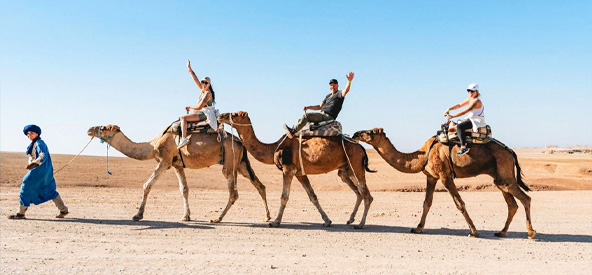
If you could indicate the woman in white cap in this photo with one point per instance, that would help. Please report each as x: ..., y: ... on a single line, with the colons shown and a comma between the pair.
x: 204, y: 110
x: 474, y: 118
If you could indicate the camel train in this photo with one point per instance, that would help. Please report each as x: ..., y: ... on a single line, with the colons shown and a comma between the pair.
x: 320, y: 155
x: 316, y: 145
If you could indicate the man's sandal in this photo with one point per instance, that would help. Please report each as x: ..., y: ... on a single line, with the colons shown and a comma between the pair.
x: 17, y: 216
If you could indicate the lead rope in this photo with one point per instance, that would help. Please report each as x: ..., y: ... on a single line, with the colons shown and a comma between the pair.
x: 110, y: 174
x: 232, y: 133
x: 232, y: 145
x: 91, y: 138
x: 348, y: 161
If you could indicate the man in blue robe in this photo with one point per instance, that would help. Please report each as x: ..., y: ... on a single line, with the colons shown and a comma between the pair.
x: 38, y: 184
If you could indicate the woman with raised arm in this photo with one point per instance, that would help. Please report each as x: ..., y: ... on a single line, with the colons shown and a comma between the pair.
x: 205, y: 108
x: 474, y: 118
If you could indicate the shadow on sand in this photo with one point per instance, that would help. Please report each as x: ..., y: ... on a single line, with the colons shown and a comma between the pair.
x: 143, y: 224
x: 370, y: 228
x: 198, y: 224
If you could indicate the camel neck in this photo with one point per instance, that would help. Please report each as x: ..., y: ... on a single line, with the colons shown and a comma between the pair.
x: 139, y: 151
x: 404, y: 162
x: 263, y: 152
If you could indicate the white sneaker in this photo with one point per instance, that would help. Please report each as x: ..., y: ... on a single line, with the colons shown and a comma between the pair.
x: 183, y: 142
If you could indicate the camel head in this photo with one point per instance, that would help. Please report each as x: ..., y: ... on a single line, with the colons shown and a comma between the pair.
x: 235, y: 118
x: 369, y: 136
x: 103, y: 132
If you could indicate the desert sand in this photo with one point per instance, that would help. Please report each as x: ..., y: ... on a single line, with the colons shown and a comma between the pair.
x: 99, y: 236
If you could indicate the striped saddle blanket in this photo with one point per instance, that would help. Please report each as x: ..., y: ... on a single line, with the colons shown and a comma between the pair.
x: 194, y: 127
x: 327, y: 128
x: 482, y: 136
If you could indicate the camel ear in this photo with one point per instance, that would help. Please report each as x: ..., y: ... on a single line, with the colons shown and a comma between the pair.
x: 244, y: 114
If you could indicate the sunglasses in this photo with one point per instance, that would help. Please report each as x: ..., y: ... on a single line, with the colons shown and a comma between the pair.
x: 205, y: 82
x: 470, y: 91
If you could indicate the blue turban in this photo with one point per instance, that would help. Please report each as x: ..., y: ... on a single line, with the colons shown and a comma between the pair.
x: 32, y: 128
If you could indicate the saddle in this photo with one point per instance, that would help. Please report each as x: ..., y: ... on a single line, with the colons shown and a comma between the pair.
x: 329, y: 128
x: 482, y: 136
x: 194, y: 127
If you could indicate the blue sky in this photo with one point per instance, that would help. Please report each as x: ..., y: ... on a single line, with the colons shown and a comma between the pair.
x: 69, y: 65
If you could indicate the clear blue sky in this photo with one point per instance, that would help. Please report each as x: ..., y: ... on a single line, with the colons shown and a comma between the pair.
x: 69, y: 65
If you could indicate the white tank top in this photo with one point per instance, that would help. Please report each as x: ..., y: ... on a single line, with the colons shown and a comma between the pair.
x: 476, y: 112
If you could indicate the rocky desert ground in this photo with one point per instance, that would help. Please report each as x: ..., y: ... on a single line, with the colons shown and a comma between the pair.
x: 99, y: 235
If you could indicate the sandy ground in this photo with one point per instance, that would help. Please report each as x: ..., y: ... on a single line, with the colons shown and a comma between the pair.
x: 100, y: 237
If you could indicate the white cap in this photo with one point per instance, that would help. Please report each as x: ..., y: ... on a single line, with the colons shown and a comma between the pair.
x: 473, y: 87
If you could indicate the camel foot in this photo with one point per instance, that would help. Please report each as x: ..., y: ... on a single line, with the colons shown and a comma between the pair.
x: 186, y: 219
x: 274, y: 224
x: 500, y: 234
x: 327, y: 223
x: 350, y: 221
x: 531, y: 234
x: 474, y: 234
x: 359, y: 226
x: 416, y: 231
x: 137, y: 217
x: 216, y: 221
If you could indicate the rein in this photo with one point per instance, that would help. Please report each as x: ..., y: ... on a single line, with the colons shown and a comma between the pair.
x: 91, y: 138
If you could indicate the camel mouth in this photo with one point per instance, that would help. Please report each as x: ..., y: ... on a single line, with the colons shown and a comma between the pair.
x: 93, y: 131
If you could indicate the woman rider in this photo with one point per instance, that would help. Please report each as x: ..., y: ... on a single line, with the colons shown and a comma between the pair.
x: 205, y: 109
x: 474, y: 118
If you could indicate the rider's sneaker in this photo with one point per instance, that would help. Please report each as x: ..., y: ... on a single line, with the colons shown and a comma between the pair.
x: 462, y: 151
x: 289, y: 131
x: 183, y: 142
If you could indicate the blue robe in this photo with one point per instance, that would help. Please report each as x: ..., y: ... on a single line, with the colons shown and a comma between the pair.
x: 39, y: 184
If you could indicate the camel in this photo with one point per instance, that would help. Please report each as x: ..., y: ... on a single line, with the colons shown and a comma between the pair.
x: 203, y: 151
x: 493, y: 159
x: 319, y: 155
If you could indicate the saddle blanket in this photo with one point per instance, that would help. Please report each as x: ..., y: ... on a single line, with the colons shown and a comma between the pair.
x: 482, y: 136
x: 194, y: 127
x: 328, y: 128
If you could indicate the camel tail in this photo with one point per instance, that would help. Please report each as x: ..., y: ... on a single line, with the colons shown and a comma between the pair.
x: 519, y: 173
x: 245, y: 159
x: 365, y: 161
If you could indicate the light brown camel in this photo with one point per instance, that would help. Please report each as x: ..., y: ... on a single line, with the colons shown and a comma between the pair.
x: 319, y: 155
x: 203, y: 151
x: 493, y: 159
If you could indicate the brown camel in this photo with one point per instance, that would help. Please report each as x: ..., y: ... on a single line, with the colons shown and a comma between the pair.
x: 319, y: 155
x: 493, y: 159
x: 203, y: 151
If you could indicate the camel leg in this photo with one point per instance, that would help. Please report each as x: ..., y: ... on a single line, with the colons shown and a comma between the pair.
x: 232, y: 192
x: 427, y: 203
x: 285, y: 196
x: 244, y: 171
x: 313, y: 198
x: 160, y: 169
x: 512, y: 208
x: 460, y: 204
x: 363, y: 189
x: 525, y: 200
x: 184, y: 191
x: 345, y: 178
